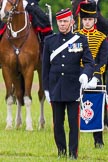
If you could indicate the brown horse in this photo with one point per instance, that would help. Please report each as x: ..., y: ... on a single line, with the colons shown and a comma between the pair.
x: 19, y: 57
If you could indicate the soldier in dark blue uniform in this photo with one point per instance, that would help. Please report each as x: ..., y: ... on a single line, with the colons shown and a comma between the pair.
x: 99, y: 48
x: 62, y: 78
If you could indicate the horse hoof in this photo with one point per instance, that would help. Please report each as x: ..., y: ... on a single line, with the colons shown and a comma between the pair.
x: 42, y: 126
x: 18, y: 126
x: 29, y: 129
x: 8, y: 127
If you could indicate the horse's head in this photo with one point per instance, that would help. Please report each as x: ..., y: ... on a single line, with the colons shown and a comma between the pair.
x: 7, y: 8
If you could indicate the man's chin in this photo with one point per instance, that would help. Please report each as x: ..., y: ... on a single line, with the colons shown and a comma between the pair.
x: 63, y: 31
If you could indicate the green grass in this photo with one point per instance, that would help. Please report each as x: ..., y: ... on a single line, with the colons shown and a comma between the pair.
x: 39, y: 146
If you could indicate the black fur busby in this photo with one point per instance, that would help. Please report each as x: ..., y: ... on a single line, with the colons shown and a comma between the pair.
x: 88, y: 10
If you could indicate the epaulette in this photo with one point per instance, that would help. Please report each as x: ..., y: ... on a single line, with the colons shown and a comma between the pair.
x: 102, y: 34
x: 50, y: 36
x: 76, y: 32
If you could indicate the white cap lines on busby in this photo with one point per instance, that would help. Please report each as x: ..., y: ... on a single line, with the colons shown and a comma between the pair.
x: 63, y: 13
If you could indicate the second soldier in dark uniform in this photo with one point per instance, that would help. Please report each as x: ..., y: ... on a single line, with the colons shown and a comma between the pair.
x: 99, y: 48
x: 61, y: 79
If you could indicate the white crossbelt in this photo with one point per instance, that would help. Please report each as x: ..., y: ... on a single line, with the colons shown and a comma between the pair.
x: 63, y: 46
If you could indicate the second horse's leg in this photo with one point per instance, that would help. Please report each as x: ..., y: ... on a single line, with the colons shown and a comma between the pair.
x: 41, y: 97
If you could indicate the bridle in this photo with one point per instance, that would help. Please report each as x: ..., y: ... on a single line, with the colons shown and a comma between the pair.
x: 13, y: 35
x: 10, y: 15
x: 14, y: 8
x: 14, y: 4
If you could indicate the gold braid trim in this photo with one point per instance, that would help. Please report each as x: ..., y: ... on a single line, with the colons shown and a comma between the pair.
x: 90, y: 12
x: 95, y: 39
x: 102, y: 70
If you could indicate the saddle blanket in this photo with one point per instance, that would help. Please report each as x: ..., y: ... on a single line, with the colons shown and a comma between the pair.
x: 2, y: 28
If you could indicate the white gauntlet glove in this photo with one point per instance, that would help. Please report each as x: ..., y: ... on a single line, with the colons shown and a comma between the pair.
x: 83, y: 79
x: 107, y: 99
x: 47, y: 96
x: 25, y: 3
x: 92, y: 84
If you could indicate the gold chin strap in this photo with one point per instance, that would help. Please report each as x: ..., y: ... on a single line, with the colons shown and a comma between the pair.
x: 90, y: 12
x: 79, y: 22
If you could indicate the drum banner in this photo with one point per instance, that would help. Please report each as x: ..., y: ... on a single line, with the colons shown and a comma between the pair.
x: 92, y: 112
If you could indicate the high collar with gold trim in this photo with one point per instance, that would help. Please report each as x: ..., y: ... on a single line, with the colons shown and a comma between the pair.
x: 88, y: 31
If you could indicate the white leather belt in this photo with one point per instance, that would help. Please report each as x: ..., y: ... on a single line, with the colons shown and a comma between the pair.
x: 62, y: 47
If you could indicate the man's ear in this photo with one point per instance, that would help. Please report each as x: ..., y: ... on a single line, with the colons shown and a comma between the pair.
x: 73, y: 21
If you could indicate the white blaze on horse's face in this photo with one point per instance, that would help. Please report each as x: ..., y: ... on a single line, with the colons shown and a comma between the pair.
x: 2, y: 12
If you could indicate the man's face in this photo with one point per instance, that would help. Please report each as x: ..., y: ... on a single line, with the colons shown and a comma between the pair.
x: 65, y: 24
x: 88, y: 23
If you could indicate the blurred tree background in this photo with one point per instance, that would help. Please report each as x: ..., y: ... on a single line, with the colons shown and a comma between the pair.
x: 104, y: 8
x: 57, y: 5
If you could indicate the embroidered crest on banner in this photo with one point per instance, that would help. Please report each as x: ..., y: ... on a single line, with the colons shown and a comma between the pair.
x: 86, y: 112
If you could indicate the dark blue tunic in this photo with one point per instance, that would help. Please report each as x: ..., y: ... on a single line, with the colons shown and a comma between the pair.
x: 61, y: 75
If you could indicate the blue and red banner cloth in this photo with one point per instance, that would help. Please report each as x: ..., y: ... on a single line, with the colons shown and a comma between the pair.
x: 92, y: 112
